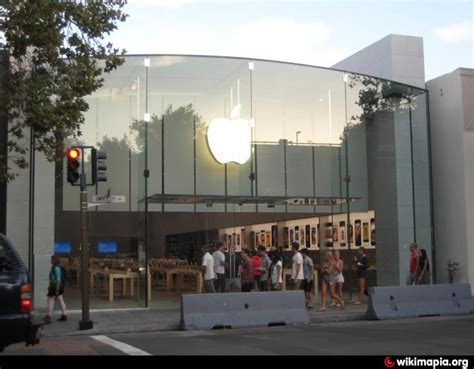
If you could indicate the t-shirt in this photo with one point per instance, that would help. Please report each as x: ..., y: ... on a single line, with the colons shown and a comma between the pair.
x: 256, y: 265
x: 363, y: 263
x: 55, y: 276
x: 208, y: 262
x: 247, y: 273
x: 415, y: 254
x: 219, y: 257
x: 307, y: 265
x: 297, y: 260
x: 277, y: 278
x: 265, y: 262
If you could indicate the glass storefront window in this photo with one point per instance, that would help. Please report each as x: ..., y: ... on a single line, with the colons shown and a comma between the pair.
x: 289, y: 144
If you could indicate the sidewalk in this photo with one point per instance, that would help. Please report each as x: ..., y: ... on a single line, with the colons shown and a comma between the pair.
x: 165, y: 317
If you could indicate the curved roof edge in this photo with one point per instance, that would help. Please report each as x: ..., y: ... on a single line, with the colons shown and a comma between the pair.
x: 281, y: 62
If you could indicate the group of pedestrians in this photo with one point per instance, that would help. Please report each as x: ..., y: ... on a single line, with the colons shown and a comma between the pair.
x: 262, y: 271
x: 419, y: 269
x: 259, y: 271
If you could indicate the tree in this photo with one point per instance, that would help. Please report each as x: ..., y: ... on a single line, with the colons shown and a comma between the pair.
x: 376, y: 95
x: 183, y: 116
x: 54, y: 54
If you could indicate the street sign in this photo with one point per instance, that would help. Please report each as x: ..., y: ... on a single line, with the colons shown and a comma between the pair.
x: 108, y: 199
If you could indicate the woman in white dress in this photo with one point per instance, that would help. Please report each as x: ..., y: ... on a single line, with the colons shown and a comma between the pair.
x: 338, y: 276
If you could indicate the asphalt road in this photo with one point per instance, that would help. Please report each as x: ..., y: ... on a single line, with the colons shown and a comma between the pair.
x: 421, y: 336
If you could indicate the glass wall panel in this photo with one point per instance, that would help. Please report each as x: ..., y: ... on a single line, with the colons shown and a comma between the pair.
x: 110, y: 126
x: 224, y: 110
x: 300, y: 104
x: 295, y: 130
x: 304, y: 106
x: 170, y: 135
x: 382, y: 163
x: 421, y: 173
x: 154, y: 139
x: 272, y: 180
x: 178, y: 148
x: 300, y: 176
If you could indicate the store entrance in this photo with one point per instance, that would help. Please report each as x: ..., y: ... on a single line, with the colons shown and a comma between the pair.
x: 317, y: 234
x: 320, y: 226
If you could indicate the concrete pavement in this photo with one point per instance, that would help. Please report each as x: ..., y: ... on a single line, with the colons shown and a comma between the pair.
x: 165, y: 317
x: 439, y: 336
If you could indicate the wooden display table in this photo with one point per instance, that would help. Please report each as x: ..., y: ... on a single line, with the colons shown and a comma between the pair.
x: 118, y: 274
x: 112, y: 275
x: 180, y: 272
x: 189, y: 272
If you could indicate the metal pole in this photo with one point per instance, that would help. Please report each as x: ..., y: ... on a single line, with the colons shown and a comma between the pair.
x: 412, y: 168
x: 31, y: 232
x: 234, y: 272
x: 231, y: 270
x: 85, y: 323
x: 347, y: 179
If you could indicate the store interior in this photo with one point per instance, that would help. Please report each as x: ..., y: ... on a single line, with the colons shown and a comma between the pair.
x: 118, y: 278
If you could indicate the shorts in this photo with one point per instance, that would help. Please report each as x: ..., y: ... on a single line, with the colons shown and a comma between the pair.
x: 362, y: 274
x: 307, y: 285
x: 338, y: 278
x: 327, y: 278
x: 52, y: 291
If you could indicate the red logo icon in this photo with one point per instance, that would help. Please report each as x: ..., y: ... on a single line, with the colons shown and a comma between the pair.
x: 388, y: 362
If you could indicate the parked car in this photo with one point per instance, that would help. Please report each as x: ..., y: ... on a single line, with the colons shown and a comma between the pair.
x: 16, y: 322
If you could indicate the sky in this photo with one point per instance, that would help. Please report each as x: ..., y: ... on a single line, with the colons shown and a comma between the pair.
x: 316, y: 32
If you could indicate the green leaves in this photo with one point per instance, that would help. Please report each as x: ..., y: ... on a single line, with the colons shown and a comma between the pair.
x: 50, y: 55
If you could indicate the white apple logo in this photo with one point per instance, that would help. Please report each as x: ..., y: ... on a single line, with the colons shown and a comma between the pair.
x: 229, y: 139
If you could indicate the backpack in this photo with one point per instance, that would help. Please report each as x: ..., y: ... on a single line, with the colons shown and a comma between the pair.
x: 64, y: 277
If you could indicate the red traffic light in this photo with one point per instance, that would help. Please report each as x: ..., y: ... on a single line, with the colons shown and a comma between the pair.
x: 73, y: 164
x: 73, y: 154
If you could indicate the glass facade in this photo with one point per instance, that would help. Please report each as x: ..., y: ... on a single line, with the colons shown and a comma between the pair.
x: 315, y: 155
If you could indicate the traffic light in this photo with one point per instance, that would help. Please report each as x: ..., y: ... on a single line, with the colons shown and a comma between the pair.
x: 73, y: 165
x: 99, y: 166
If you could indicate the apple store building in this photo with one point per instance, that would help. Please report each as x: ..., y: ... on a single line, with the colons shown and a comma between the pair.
x: 247, y: 152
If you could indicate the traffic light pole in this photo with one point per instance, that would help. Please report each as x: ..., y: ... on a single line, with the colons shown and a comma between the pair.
x: 75, y: 172
x: 85, y: 323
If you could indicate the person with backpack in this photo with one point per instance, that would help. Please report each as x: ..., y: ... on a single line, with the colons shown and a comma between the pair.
x: 57, y: 281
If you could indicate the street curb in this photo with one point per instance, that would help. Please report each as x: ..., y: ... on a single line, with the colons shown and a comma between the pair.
x: 338, y: 318
x: 173, y: 327
x: 116, y: 330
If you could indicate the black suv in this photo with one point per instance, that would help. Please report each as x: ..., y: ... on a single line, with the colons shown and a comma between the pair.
x: 16, y: 322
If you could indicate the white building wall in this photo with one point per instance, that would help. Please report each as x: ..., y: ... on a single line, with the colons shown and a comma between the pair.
x: 18, y: 211
x: 18, y: 198
x: 394, y: 57
x: 452, y: 147
x: 43, y: 226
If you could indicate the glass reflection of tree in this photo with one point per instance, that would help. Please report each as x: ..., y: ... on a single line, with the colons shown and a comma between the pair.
x: 377, y: 95
x: 185, y: 115
x: 113, y: 146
